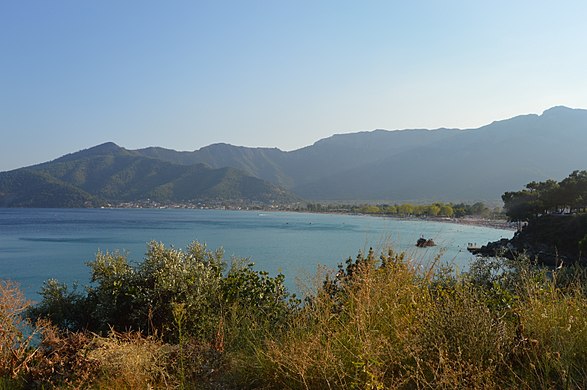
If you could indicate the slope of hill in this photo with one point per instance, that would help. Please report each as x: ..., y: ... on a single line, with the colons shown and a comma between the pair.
x: 477, y: 164
x: 306, y: 165
x: 23, y: 188
x: 442, y: 164
x: 109, y: 173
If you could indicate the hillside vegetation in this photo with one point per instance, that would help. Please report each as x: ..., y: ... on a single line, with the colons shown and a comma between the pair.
x: 111, y: 174
x: 414, y: 165
x: 176, y: 320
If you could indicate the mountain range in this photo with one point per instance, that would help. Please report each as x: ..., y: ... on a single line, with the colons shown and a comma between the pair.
x: 402, y: 165
x: 420, y: 165
x: 108, y: 173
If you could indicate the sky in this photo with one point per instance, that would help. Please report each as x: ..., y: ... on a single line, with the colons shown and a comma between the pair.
x: 186, y: 74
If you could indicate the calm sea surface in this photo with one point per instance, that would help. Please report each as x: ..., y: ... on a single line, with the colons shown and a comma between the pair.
x: 38, y: 244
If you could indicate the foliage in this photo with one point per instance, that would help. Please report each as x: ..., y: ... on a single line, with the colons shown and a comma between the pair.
x: 61, y: 305
x: 142, y: 297
x: 583, y: 245
x: 548, y: 197
x: 436, y: 209
x: 108, y: 173
x: 255, y: 294
x: 23, y: 188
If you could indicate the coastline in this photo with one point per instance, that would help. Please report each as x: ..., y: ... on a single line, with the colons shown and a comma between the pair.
x: 500, y: 224
x: 472, y: 221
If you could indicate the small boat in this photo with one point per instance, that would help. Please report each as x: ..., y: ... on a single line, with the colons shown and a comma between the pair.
x: 424, y: 243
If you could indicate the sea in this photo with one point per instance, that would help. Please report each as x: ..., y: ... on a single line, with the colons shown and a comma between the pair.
x: 41, y: 244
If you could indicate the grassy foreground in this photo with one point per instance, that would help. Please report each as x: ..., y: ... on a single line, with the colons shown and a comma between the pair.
x: 181, y: 320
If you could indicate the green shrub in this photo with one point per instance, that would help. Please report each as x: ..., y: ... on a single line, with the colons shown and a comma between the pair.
x: 141, y: 297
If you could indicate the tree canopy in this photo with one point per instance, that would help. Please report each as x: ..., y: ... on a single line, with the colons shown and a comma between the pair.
x: 548, y: 197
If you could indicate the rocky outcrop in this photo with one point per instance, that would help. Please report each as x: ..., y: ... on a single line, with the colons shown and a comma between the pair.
x: 425, y: 243
x: 548, y: 240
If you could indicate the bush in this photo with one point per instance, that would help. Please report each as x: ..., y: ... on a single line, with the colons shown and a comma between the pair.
x: 63, y: 307
x: 125, y: 297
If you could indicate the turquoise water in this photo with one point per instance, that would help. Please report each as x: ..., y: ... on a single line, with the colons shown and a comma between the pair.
x: 38, y: 244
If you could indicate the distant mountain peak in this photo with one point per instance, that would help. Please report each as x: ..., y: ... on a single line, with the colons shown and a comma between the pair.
x: 563, y: 110
x: 107, y: 148
x: 556, y: 109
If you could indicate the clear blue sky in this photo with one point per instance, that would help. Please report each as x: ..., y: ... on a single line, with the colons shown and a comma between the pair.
x: 185, y: 74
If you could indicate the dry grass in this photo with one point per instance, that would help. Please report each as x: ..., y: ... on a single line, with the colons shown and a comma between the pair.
x: 63, y: 360
x: 397, y: 328
x: 16, y: 334
x: 363, y: 343
x: 459, y: 343
x: 553, y: 335
x: 80, y: 360
x: 132, y: 361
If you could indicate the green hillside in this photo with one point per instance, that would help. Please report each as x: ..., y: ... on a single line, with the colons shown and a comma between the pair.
x: 23, y: 188
x: 109, y: 173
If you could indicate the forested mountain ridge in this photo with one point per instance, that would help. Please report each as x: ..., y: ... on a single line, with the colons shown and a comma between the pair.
x: 425, y: 165
x: 404, y: 165
x: 296, y: 168
x: 108, y: 173
x: 475, y: 164
x: 26, y: 188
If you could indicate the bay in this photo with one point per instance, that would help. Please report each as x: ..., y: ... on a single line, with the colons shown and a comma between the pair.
x: 38, y: 244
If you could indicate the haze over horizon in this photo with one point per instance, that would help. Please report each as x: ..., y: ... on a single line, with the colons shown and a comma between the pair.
x: 189, y: 74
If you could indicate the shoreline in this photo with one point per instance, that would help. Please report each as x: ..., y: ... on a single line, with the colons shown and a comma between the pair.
x: 499, y: 224
x: 480, y: 222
